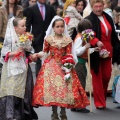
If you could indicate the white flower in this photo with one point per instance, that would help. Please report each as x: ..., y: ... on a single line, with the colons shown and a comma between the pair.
x: 66, y: 69
x: 67, y: 77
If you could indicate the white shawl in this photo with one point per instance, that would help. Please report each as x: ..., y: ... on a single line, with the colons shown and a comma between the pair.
x: 14, y: 67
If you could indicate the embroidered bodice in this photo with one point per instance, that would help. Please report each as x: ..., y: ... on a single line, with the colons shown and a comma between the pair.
x: 57, y: 48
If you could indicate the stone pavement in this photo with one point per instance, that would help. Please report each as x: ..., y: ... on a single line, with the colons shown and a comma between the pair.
x: 110, y: 113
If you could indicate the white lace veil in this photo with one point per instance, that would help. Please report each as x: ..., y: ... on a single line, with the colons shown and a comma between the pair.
x: 50, y: 29
x: 15, y: 66
x: 50, y: 32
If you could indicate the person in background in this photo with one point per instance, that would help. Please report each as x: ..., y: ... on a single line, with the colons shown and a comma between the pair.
x: 32, y: 2
x: 54, y: 3
x: 39, y: 17
x: 114, y: 3
x: 107, y: 7
x: 0, y: 2
x: 61, y: 2
x: 101, y: 66
x: 71, y: 16
x: 118, y: 3
x: 80, y: 6
x: 116, y: 11
x: 24, y: 3
x: 1, y: 41
x: 87, y: 9
x: 13, y: 9
x: 26, y: 10
x: 59, y: 10
x: 16, y: 84
x: 116, y: 90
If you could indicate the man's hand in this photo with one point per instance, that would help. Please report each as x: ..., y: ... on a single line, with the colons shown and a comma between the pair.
x: 87, y: 45
x: 100, y: 44
x: 33, y: 57
x: 97, y: 49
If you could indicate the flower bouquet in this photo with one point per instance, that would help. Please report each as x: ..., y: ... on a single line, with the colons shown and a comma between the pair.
x: 104, y: 53
x: 67, y: 65
x: 25, y: 41
x: 87, y: 35
x: 1, y: 45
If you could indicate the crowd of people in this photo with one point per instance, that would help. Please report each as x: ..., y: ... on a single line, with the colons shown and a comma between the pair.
x: 61, y: 37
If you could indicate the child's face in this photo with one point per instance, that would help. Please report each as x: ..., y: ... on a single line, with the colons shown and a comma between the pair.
x: 73, y: 4
x: 58, y: 27
x: 21, y: 28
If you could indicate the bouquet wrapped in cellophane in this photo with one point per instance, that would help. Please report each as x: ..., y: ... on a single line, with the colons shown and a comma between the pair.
x: 104, y: 53
x: 67, y: 65
x: 25, y: 41
x: 87, y: 35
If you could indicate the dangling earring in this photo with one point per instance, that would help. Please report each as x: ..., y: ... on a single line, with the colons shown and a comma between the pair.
x: 63, y: 34
x: 53, y: 32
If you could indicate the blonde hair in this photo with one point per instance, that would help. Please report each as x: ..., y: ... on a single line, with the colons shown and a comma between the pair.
x: 92, y: 2
x: 67, y: 3
x: 107, y: 1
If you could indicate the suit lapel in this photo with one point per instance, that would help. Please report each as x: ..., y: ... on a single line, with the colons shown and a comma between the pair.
x: 46, y: 12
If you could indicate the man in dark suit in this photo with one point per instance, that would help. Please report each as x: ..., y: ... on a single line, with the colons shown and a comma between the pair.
x: 26, y: 10
x: 39, y: 17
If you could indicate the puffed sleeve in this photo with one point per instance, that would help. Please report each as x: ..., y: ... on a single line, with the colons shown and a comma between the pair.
x: 46, y: 47
x: 68, y: 48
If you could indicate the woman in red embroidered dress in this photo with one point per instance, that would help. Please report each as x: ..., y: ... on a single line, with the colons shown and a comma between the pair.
x: 51, y: 89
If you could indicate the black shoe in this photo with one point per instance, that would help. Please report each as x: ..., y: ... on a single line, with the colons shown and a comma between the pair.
x: 73, y: 109
x: 100, y: 108
x: 83, y: 110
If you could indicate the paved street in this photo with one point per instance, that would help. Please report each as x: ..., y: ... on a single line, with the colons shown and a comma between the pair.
x: 110, y: 113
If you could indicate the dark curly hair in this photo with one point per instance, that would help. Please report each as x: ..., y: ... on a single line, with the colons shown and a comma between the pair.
x: 83, y: 25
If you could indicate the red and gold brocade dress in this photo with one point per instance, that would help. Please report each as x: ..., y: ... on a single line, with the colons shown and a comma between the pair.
x: 50, y: 87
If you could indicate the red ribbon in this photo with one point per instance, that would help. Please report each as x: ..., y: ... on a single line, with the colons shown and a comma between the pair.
x: 18, y: 55
x: 6, y: 57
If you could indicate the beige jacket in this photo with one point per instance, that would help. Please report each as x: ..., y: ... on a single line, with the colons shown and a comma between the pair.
x: 4, y: 18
